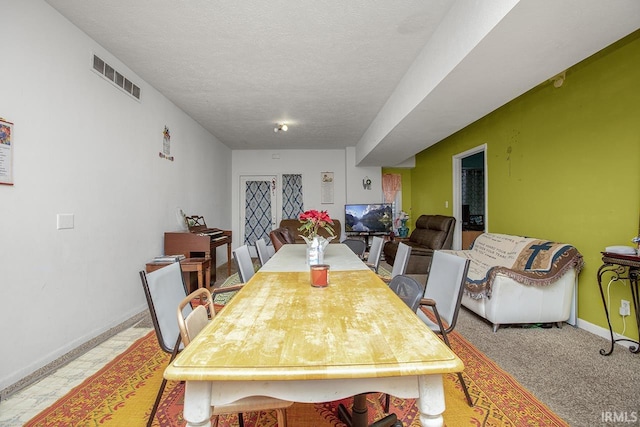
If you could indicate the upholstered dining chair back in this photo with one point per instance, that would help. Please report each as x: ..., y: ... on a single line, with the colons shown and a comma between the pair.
x: 442, y: 295
x: 402, y: 260
x: 264, y: 252
x: 358, y: 246
x: 375, y: 253
x: 408, y: 289
x: 445, y: 285
x: 164, y: 289
x: 244, y: 263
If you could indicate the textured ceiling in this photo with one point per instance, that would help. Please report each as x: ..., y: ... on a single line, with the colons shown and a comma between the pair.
x: 390, y: 78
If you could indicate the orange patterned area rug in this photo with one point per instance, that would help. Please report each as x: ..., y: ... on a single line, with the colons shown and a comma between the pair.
x: 123, y: 392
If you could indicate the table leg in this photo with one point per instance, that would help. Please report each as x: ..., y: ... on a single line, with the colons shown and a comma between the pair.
x: 620, y: 272
x: 197, y: 403
x: 635, y: 296
x: 207, y: 275
x: 228, y: 259
x: 431, y: 401
x: 603, y: 269
x: 214, y: 263
x: 359, y: 410
x: 200, y: 272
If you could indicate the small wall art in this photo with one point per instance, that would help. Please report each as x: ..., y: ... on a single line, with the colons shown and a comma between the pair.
x: 326, y: 190
x: 6, y: 152
x: 166, y: 145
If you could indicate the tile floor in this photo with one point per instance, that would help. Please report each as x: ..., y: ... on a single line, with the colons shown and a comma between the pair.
x: 21, y: 406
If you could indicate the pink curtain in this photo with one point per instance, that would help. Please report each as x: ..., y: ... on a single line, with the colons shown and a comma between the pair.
x: 391, y: 184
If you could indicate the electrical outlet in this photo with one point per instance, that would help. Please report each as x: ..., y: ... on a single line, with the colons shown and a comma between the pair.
x: 625, y: 309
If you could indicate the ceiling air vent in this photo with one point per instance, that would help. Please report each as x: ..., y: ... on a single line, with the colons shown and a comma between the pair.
x: 109, y: 73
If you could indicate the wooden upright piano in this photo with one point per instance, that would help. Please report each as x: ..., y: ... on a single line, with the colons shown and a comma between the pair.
x: 199, y: 243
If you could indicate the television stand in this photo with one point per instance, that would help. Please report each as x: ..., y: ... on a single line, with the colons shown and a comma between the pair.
x: 367, y: 235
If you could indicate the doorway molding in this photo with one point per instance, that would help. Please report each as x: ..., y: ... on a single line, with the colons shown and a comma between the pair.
x: 457, y: 193
x: 272, y: 181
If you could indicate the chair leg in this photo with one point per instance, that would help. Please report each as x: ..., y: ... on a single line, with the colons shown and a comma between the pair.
x: 174, y: 353
x: 464, y: 388
x: 387, y: 401
x: 240, y: 419
x: 157, y: 402
x: 443, y: 332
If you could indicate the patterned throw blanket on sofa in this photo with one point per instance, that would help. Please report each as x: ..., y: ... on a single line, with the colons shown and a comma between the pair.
x: 532, y: 262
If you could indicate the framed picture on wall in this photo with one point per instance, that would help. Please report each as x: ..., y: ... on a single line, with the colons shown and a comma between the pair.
x: 6, y: 152
x: 326, y: 187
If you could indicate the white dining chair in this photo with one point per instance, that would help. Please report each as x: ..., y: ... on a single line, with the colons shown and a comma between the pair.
x: 400, y: 263
x: 443, y: 295
x: 264, y: 252
x: 164, y: 289
x: 375, y: 253
x: 244, y: 263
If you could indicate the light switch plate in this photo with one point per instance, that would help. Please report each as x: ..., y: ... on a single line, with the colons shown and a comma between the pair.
x: 65, y: 221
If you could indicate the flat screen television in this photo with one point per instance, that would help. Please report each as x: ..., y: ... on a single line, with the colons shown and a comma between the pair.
x: 368, y: 218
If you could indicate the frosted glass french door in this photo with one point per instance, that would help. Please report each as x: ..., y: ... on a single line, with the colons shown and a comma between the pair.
x: 257, y: 207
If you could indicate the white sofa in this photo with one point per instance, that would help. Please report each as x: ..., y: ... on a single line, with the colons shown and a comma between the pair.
x: 516, y: 279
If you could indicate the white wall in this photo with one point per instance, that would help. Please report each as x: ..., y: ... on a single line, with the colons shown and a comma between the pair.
x: 82, y: 146
x: 309, y: 163
x: 355, y: 190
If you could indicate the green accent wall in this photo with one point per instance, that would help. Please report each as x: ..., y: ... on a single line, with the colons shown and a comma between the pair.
x: 562, y: 164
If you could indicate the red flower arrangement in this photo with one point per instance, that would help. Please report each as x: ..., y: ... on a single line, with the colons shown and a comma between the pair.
x: 314, y: 220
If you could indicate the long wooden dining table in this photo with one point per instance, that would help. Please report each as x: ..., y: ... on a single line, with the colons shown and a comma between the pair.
x: 283, y: 338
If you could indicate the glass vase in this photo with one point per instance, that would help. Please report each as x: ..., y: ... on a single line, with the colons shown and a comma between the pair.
x: 315, y: 249
x: 403, y: 230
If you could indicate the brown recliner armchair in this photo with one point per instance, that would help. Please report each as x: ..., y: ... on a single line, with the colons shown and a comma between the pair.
x: 432, y: 232
x: 281, y: 236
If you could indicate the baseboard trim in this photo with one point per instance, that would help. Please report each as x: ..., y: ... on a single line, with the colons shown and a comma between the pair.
x: 71, y: 355
x: 603, y: 332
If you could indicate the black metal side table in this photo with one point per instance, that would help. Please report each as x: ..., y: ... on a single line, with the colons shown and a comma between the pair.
x: 622, y: 267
